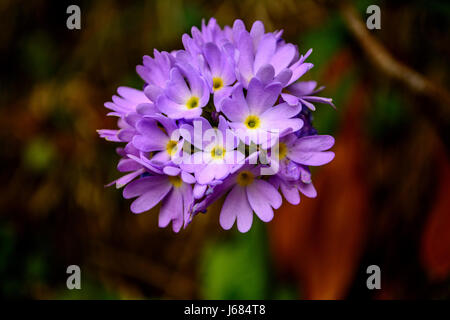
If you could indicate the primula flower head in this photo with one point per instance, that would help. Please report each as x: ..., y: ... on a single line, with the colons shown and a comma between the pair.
x: 226, y: 116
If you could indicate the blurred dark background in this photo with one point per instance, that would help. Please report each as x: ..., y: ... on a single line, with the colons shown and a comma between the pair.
x: 384, y: 200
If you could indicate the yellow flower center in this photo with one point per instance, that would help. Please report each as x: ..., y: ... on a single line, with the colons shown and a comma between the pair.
x: 171, y: 147
x: 252, y: 122
x: 192, y: 103
x: 176, y: 181
x: 218, y: 153
x: 282, y: 150
x: 217, y: 83
x: 245, y: 178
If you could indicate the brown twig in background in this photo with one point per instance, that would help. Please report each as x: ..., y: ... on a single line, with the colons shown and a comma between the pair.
x: 387, y: 63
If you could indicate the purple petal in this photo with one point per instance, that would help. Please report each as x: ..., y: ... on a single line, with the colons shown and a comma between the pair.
x: 109, y: 135
x: 299, y: 70
x: 199, y: 190
x: 196, y: 83
x: 172, y: 211
x: 265, y: 73
x: 143, y: 185
x: 169, y: 125
x: 121, y: 102
x: 235, y: 109
x: 283, y: 57
x: 146, y: 163
x: 146, y: 109
x: 126, y: 165
x: 133, y: 95
x: 236, y: 206
x: 283, y: 77
x: 126, y: 179
x: 246, y: 57
x: 308, y: 190
x: 176, y: 111
x: 238, y: 27
x: 177, y: 90
x: 126, y: 135
x: 187, y: 177
x: 150, y: 198
x: 309, y: 150
x: 119, y: 109
x: 262, y: 196
x: 302, y: 88
x: 320, y: 100
x: 153, y: 92
x: 260, y: 97
x: 149, y: 143
x: 194, y: 133
x: 309, y: 105
x: 257, y: 32
x: 311, y: 158
x: 171, y: 171
x: 220, y: 96
x: 304, y: 57
x: 213, y: 57
x: 290, y: 193
x: 212, y: 171
x: 290, y: 99
x: 281, y: 111
x: 160, y: 159
x: 284, y: 125
x: 132, y: 118
x: 265, y: 51
x: 188, y: 201
x: 314, y: 143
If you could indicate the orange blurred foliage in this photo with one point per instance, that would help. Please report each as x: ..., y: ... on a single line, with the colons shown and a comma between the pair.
x: 435, y: 251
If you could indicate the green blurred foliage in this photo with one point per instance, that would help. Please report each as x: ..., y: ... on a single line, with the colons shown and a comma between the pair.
x: 237, y: 268
x: 329, y: 37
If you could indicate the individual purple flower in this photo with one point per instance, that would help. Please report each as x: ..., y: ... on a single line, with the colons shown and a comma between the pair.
x: 185, y: 95
x: 250, y: 193
x: 311, y: 150
x: 171, y: 190
x: 156, y: 135
x: 155, y: 72
x: 216, y: 155
x: 125, y: 108
x: 255, y: 118
x: 293, y: 153
x: 219, y: 73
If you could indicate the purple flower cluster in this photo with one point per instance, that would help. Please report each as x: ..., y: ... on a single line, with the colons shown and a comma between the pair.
x: 226, y: 116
